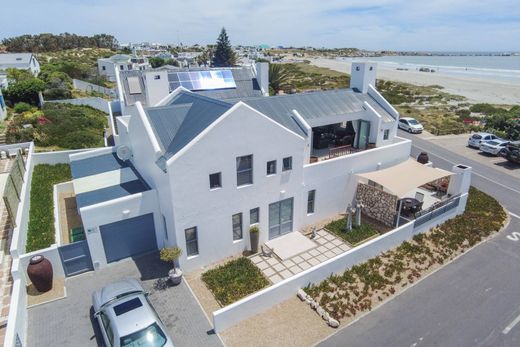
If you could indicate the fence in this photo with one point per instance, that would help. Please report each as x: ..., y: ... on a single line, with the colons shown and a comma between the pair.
x: 94, y: 102
x: 13, y: 186
x: 435, y: 211
x: 90, y: 87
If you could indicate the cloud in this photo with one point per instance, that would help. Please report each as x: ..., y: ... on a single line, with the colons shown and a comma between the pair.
x: 371, y: 24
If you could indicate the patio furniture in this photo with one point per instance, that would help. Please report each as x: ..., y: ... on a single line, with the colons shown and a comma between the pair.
x: 266, y: 251
x: 419, y: 196
x: 409, y: 205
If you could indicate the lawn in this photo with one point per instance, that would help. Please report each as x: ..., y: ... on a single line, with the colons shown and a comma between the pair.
x: 365, y: 285
x: 41, y: 230
x: 356, y: 235
x: 234, y: 280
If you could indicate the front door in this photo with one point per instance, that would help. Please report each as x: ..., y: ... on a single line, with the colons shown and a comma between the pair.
x: 280, y: 218
x: 363, y: 134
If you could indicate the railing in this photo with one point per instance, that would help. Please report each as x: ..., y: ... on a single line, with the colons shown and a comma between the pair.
x: 435, y: 211
x: 342, y: 150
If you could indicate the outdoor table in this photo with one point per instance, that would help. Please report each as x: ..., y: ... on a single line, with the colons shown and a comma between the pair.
x: 409, y: 204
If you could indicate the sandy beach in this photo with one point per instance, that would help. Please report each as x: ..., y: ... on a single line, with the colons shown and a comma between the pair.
x: 475, y: 90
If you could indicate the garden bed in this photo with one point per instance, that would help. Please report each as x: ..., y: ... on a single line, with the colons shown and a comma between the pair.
x: 41, y: 230
x: 234, y: 280
x: 356, y: 236
x: 365, y: 285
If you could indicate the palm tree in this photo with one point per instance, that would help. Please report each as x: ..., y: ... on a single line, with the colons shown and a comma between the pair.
x: 279, y: 77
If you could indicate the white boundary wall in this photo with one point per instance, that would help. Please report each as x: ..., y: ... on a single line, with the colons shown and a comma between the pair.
x: 268, y: 297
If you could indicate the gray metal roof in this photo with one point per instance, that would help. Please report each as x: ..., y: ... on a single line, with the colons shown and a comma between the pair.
x: 15, y: 60
x: 247, y: 85
x: 187, y: 115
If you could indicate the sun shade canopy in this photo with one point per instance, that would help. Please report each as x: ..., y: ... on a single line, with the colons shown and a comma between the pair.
x: 402, y: 178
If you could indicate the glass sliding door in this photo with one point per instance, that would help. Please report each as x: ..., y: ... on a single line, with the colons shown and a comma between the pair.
x: 280, y: 218
x: 363, y: 134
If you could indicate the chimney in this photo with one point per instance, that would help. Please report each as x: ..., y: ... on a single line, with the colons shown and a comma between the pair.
x: 362, y: 75
x: 262, y: 77
x: 157, y: 86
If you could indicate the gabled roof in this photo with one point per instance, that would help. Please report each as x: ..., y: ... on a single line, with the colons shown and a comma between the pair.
x: 15, y: 60
x: 314, y: 105
x: 186, y: 116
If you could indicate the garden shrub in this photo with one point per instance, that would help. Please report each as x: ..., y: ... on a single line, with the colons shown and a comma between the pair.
x: 356, y: 235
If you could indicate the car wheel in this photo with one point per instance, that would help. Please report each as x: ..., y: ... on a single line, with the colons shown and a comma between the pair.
x: 410, y: 130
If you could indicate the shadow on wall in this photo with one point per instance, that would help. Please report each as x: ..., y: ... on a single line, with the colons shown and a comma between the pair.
x: 151, y: 267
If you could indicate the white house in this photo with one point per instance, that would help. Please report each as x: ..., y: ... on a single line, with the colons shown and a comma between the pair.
x: 22, y: 61
x: 121, y: 62
x: 3, y: 107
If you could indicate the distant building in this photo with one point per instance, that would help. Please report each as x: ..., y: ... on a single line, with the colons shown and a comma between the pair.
x: 121, y: 62
x: 21, y: 61
x: 3, y: 108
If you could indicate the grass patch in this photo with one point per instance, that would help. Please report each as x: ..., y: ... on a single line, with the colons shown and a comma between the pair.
x: 364, y: 285
x: 356, y: 235
x: 41, y: 231
x: 234, y: 280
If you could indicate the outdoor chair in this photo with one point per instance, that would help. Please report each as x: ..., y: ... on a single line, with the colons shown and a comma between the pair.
x: 266, y: 251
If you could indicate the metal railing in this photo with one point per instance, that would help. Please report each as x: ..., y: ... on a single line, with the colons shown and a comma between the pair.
x: 435, y: 211
x: 342, y: 150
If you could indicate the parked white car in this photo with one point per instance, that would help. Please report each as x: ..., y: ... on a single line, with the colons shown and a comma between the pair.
x: 126, y: 317
x: 411, y: 125
x: 476, y: 139
x: 493, y: 146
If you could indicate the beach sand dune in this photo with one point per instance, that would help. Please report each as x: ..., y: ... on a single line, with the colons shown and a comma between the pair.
x: 474, y: 89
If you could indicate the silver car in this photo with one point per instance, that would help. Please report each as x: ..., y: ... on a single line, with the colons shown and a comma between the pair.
x: 126, y: 317
x: 493, y: 146
x: 476, y: 139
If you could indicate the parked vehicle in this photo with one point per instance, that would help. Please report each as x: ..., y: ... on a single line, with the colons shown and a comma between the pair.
x: 512, y: 152
x: 411, y: 125
x: 493, y: 146
x: 476, y: 139
x: 126, y: 317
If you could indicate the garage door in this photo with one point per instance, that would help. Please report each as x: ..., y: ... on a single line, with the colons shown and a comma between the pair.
x: 128, y: 237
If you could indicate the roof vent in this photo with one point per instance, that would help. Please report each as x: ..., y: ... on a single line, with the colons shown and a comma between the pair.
x: 123, y: 152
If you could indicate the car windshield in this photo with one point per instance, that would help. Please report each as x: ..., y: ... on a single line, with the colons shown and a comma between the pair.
x: 151, y: 336
x: 412, y: 121
x: 477, y: 137
x: 493, y: 143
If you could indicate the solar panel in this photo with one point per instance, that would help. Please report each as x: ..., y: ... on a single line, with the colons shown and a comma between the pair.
x: 202, y: 80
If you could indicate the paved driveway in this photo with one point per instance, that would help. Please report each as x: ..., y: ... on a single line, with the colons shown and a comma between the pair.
x: 69, y: 322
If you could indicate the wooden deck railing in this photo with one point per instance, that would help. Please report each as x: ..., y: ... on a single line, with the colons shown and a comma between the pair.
x: 342, y: 150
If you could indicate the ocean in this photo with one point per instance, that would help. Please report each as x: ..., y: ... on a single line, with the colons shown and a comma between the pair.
x: 502, y: 68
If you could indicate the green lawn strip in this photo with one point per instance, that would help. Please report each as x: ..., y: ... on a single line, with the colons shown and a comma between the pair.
x: 234, y: 280
x: 41, y: 231
x: 357, y: 289
x: 356, y: 235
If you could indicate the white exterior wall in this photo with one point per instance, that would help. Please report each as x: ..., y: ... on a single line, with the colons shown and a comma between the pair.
x: 362, y: 75
x: 243, y: 131
x: 157, y: 86
x: 110, y: 69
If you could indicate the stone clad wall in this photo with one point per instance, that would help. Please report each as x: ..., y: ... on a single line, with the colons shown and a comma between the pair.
x: 377, y: 203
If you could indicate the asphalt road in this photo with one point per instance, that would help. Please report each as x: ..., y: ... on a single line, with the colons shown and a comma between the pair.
x: 474, y: 301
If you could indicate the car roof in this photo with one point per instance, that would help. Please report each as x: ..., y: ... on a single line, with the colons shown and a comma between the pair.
x: 132, y: 320
x: 407, y: 118
x: 112, y: 290
x: 483, y: 134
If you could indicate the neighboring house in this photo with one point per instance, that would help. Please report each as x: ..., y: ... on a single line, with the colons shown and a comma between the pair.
x: 3, y: 107
x: 22, y: 61
x: 201, y: 171
x: 4, y: 83
x: 121, y: 62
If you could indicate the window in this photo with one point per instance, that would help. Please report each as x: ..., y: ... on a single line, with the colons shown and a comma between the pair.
x: 386, y: 134
x: 244, y: 170
x: 254, y: 215
x: 237, y: 226
x: 103, y: 67
x: 157, y: 77
x: 215, y: 180
x: 310, y: 201
x: 287, y: 164
x: 121, y: 67
x: 108, y: 328
x: 271, y: 167
x: 165, y: 228
x: 192, y: 243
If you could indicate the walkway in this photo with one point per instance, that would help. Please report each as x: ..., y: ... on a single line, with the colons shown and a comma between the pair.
x: 327, y: 246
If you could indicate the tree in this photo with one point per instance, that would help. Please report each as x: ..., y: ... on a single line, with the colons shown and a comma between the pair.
x: 279, y: 78
x: 24, y: 91
x: 156, y: 62
x: 224, y: 54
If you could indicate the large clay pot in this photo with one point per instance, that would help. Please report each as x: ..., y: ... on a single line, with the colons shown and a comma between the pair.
x: 423, y: 158
x: 254, y: 236
x: 40, y: 273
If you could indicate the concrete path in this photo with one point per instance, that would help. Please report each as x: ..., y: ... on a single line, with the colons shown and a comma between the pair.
x: 474, y: 301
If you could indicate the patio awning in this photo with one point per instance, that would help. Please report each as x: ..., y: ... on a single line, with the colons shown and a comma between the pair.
x: 402, y: 178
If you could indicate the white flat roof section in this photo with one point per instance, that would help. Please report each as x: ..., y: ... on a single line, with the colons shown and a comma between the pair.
x: 134, y: 86
x: 103, y: 180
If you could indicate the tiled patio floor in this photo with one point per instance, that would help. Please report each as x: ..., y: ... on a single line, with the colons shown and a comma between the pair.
x: 327, y: 246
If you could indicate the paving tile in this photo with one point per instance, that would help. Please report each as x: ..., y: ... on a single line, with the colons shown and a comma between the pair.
x: 329, y: 254
x: 337, y: 242
x: 344, y: 247
x: 297, y: 259
x: 256, y: 259
x: 321, y: 258
x: 279, y: 267
x: 329, y: 237
x: 275, y: 278
x: 272, y: 261
x: 304, y: 265
x: 295, y: 269
x: 322, y: 249
x: 262, y: 265
x: 321, y: 241
x: 322, y: 233
x: 269, y: 272
x: 337, y: 250
x: 329, y: 245
x: 314, y: 252
x: 286, y: 274
x: 288, y: 263
x: 306, y: 256
x: 314, y: 261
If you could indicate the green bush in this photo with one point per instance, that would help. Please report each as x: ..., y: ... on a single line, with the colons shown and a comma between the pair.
x: 234, y: 280
x: 41, y: 230
x: 22, y: 107
x: 356, y: 235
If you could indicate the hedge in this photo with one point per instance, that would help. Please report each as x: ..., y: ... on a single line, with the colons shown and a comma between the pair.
x: 356, y: 235
x: 41, y: 230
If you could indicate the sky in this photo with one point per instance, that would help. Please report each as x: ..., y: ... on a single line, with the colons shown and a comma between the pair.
x: 422, y: 25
